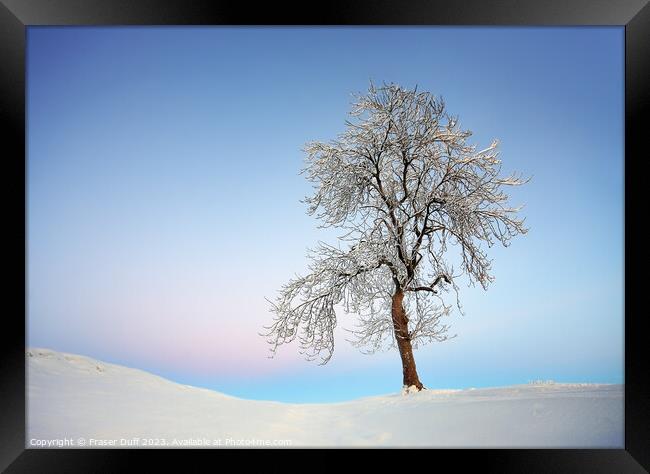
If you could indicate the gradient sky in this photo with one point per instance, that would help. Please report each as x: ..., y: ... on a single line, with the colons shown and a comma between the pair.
x: 163, y: 198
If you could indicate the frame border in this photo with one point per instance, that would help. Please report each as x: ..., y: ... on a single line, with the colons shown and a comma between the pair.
x: 17, y: 15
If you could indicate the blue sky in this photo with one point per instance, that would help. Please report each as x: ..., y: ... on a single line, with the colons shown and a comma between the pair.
x: 163, y: 197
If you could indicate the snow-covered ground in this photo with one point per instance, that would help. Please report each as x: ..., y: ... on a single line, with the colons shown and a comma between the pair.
x: 77, y: 401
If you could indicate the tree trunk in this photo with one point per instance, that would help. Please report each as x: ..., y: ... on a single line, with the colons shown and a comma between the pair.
x: 400, y: 323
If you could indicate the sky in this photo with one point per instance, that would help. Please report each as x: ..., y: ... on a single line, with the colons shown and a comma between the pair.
x: 163, y: 198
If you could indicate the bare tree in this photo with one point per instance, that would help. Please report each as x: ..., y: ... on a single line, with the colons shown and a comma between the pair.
x: 405, y: 187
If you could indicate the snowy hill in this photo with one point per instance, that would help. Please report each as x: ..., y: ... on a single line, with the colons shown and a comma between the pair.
x: 75, y: 397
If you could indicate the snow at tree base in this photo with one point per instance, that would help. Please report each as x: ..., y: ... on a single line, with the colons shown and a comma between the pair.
x: 71, y: 396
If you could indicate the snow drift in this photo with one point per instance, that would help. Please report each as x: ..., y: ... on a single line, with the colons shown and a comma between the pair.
x: 80, y: 402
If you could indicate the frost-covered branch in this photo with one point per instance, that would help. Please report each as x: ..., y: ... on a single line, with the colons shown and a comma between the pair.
x: 432, y: 286
x: 305, y: 306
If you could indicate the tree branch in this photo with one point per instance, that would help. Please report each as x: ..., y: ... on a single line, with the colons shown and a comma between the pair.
x: 431, y: 287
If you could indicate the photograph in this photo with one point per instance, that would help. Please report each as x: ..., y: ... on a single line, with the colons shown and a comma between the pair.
x: 280, y: 237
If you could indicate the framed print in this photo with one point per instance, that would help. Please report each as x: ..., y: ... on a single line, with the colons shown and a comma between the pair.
x: 269, y: 229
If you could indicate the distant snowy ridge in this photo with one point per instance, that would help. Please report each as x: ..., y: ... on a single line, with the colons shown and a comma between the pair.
x: 78, y: 398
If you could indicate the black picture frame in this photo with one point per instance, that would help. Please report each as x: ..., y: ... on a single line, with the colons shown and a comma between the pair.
x: 17, y: 15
